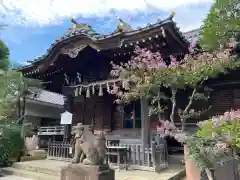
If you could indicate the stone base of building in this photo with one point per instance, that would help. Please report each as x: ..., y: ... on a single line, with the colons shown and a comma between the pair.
x: 87, y: 172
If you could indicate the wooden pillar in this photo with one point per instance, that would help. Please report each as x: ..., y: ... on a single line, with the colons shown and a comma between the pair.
x: 145, y: 120
x: 68, y: 104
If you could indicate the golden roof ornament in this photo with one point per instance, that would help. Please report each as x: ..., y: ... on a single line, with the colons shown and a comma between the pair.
x: 123, y: 26
x: 120, y: 26
x: 74, y: 22
x: 173, y: 14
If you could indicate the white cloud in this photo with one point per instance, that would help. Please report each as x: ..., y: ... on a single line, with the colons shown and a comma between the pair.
x: 49, y: 11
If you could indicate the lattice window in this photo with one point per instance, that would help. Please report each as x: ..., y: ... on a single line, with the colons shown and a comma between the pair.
x: 132, y: 116
x: 222, y: 101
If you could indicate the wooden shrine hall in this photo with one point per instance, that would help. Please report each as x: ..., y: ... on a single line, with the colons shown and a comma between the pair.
x: 78, y: 66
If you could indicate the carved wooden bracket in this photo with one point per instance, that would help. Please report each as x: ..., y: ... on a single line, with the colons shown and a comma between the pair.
x: 72, y: 52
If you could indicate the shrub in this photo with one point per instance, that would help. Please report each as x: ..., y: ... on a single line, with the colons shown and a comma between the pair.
x: 11, y: 144
x: 207, y: 152
x: 226, y: 127
x: 215, y: 140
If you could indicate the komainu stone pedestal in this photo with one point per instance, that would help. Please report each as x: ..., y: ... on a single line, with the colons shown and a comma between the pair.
x: 87, y: 172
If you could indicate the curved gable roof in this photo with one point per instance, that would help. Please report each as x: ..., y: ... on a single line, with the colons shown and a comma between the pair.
x: 84, y: 36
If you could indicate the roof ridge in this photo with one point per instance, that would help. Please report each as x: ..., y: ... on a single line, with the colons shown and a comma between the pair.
x: 100, y: 37
x: 47, y: 97
x: 48, y: 91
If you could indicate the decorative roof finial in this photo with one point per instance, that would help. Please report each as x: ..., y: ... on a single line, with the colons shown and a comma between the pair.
x: 123, y: 26
x: 74, y: 22
x: 173, y: 14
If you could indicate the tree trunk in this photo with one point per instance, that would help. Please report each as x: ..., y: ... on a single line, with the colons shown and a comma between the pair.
x: 183, y: 124
x: 173, y: 100
x: 210, y: 175
x: 19, y: 107
x: 24, y: 106
x: 187, y: 108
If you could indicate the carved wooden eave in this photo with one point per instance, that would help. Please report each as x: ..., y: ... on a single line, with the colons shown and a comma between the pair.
x: 72, y: 51
x: 77, y: 39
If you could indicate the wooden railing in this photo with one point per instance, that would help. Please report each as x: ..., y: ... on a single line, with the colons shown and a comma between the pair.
x: 153, y: 158
x: 58, y: 150
x: 51, y: 130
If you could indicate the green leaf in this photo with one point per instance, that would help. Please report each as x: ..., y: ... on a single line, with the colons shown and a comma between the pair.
x: 220, y: 24
x: 14, y: 87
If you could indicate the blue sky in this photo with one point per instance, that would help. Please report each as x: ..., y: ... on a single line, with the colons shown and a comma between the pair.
x: 34, y: 24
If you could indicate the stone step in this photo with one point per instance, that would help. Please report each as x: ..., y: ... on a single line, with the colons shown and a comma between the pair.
x: 12, y: 177
x: 30, y: 167
x: 28, y: 174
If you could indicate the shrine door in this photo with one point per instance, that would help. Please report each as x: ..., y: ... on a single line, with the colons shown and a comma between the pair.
x: 96, y: 109
x: 102, y: 113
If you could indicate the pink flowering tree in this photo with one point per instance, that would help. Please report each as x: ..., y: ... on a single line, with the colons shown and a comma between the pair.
x: 226, y: 126
x: 147, y: 74
x: 215, y: 141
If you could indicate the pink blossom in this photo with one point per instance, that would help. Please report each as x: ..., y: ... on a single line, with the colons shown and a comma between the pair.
x: 173, y: 60
x: 216, y: 121
x: 147, y: 71
x: 167, y: 132
x: 221, y: 118
x: 221, y: 147
x: 160, y: 130
x: 114, y: 89
x: 230, y: 115
x: 227, y: 116
x: 234, y: 115
x: 233, y: 43
x: 119, y: 93
x: 118, y: 101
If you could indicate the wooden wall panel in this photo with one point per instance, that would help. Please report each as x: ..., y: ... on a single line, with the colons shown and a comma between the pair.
x: 99, y: 114
x: 117, y: 120
x: 89, y: 111
x: 103, y: 112
x: 96, y: 109
x: 221, y: 101
x: 78, y: 113
x: 236, y: 100
x: 107, y: 116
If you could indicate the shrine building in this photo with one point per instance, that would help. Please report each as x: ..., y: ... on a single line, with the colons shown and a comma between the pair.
x: 75, y: 71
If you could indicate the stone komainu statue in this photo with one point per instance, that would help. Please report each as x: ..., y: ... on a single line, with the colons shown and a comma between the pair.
x: 89, y: 149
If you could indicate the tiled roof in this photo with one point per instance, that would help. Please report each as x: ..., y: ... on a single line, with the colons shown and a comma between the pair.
x: 46, y: 96
x: 192, y: 35
x: 85, y: 31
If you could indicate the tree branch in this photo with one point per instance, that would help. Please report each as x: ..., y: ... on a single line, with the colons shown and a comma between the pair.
x: 192, y: 97
x: 190, y: 101
x: 173, y: 100
x: 187, y: 108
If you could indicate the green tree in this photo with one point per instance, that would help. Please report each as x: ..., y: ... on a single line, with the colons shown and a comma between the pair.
x: 4, y: 52
x: 4, y: 56
x: 222, y: 23
x: 13, y: 92
x: 11, y: 144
